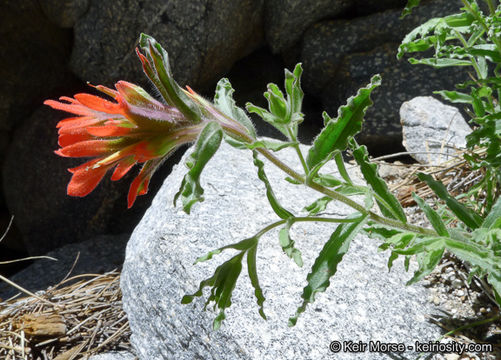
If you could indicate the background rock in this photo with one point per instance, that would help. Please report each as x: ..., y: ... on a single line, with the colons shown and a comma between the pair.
x: 430, y: 126
x: 364, y: 301
x: 122, y: 355
x: 286, y: 20
x: 203, y: 38
x: 33, y: 62
x: 97, y: 255
x: 340, y: 56
x: 64, y: 13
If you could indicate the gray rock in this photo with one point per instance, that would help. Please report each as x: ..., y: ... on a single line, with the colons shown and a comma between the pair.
x: 364, y: 301
x: 95, y: 256
x: 340, y: 56
x: 365, y: 7
x: 32, y: 63
x: 430, y: 126
x: 286, y: 20
x: 64, y: 13
x: 119, y: 355
x: 203, y: 38
x: 400, y: 81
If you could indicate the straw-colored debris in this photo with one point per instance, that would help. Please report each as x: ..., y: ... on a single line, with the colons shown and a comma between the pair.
x: 74, y: 322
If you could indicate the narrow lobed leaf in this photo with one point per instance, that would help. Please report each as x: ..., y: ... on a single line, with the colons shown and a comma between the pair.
x: 206, y: 146
x: 467, y: 216
x: 326, y: 263
x: 270, y: 194
x: 433, y: 217
x: 223, y: 99
x: 287, y: 243
x: 386, y: 201
x: 337, y: 132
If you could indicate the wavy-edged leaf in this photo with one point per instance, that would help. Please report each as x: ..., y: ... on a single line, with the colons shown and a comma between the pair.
x: 326, y: 263
x: 427, y: 261
x: 243, y: 245
x: 275, y: 205
x: 455, y: 96
x: 467, y: 216
x: 337, y: 132
x: 267, y: 116
x: 327, y: 180
x: 318, y: 205
x: 206, y: 146
x: 223, y: 100
x: 270, y: 145
x: 417, y: 40
x: 252, y: 270
x: 287, y: 243
x: 433, y: 217
x: 440, y: 62
x: 386, y: 201
x: 284, y: 111
x: 493, y: 219
x: 408, y: 8
x: 222, y: 282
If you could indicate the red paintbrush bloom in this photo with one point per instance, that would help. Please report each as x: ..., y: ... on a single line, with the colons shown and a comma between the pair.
x: 134, y: 129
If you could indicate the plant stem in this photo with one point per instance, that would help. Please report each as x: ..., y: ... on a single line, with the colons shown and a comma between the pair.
x: 303, y: 219
x: 337, y: 196
x: 293, y: 138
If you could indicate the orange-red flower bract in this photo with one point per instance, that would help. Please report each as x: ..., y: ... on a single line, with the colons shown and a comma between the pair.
x: 135, y: 128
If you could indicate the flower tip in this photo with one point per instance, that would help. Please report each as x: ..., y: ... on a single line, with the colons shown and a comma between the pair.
x: 60, y: 152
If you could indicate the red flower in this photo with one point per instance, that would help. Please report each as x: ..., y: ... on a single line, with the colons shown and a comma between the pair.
x: 134, y: 129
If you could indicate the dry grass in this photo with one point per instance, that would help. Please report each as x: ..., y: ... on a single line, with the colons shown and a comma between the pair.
x: 79, y: 317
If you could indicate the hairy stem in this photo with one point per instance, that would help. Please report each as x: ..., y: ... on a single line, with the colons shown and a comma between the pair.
x: 344, y: 199
x: 304, y: 219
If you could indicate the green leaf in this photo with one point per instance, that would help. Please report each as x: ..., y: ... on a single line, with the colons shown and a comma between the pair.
x: 284, y: 112
x: 427, y: 261
x: 338, y: 158
x: 493, y: 219
x: 337, y: 132
x: 252, y: 270
x: 408, y: 8
x: 270, y: 145
x: 386, y: 201
x: 222, y: 282
x: 318, y: 206
x: 279, y: 210
x: 243, y: 245
x: 488, y: 50
x: 287, y: 243
x: 455, y: 97
x: 206, y: 146
x: 467, y: 216
x: 327, y: 180
x: 440, y: 63
x: 268, y: 117
x: 433, y: 217
x: 417, y: 39
x: 326, y: 263
x: 157, y: 68
x: 223, y: 99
